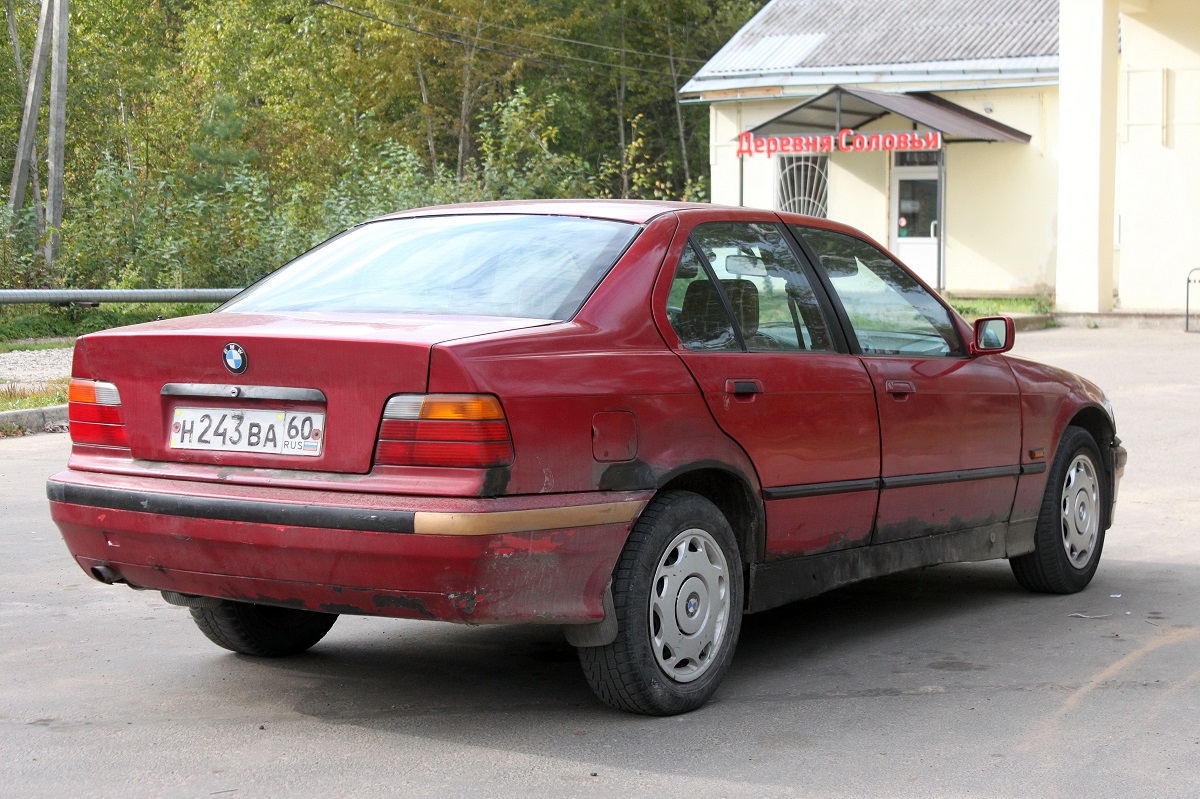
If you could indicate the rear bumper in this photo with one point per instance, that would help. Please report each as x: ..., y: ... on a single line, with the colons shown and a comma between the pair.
x: 539, y: 559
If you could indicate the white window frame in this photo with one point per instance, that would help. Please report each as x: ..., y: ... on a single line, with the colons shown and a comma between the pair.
x: 802, y: 184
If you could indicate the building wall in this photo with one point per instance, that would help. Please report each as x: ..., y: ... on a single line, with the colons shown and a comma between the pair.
x: 757, y: 172
x: 1158, y: 155
x: 1002, y: 199
x: 859, y: 190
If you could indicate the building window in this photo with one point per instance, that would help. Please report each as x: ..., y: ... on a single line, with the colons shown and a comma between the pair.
x: 803, y: 185
x: 919, y: 158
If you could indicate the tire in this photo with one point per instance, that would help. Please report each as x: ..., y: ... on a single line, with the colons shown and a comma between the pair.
x: 677, y: 594
x: 262, y: 630
x: 1072, y: 520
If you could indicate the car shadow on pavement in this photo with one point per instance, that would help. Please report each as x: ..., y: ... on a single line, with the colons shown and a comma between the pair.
x: 924, y: 642
x: 384, y: 672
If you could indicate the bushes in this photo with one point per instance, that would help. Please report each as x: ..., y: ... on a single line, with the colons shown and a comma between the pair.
x: 134, y: 233
x: 225, y: 224
x: 40, y: 321
x: 21, y: 261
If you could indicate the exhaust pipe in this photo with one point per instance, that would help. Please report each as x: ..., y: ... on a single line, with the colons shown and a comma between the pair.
x: 190, y: 600
x: 107, y: 575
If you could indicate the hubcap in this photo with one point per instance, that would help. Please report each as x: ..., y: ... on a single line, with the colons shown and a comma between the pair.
x: 689, y: 605
x: 1080, y: 511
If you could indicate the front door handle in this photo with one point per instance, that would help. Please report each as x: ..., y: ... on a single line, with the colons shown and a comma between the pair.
x: 743, y: 386
x: 900, y: 387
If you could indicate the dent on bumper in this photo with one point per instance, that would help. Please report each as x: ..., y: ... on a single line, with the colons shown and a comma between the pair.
x: 461, y: 560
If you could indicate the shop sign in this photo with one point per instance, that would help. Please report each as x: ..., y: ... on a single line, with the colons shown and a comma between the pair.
x: 846, y: 140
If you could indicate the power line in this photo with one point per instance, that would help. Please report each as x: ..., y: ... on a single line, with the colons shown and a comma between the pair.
x: 454, y: 38
x: 498, y: 26
x: 621, y: 17
x: 545, y: 54
x: 475, y: 39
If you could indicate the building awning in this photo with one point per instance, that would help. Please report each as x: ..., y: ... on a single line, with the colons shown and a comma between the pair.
x: 841, y: 108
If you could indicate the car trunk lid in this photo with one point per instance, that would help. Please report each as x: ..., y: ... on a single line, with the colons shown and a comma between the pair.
x: 330, y: 375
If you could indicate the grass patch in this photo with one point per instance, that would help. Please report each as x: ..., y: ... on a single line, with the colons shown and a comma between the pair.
x: 18, y: 346
x: 1001, y: 306
x: 54, y: 392
x: 9, y: 430
x: 19, y: 322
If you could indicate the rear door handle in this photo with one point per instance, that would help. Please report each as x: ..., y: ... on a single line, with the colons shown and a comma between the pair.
x: 743, y: 385
x: 900, y: 387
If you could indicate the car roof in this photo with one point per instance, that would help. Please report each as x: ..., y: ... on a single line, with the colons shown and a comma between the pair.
x: 636, y: 211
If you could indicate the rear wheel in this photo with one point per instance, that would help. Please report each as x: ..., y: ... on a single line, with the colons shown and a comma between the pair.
x: 262, y: 630
x: 1070, y: 527
x: 677, y: 594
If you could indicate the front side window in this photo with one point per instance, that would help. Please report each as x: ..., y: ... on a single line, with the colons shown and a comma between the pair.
x: 890, y: 312
x: 745, y: 274
x: 539, y: 267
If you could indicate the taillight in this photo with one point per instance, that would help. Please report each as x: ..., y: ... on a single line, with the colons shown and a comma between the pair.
x: 94, y: 411
x: 467, y: 430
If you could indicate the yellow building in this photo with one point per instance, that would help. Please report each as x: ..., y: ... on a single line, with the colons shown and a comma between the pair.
x: 999, y: 147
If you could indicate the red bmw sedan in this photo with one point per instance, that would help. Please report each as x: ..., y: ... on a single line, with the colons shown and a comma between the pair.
x: 636, y: 420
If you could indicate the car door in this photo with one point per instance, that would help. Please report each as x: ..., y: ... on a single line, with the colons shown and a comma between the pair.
x: 950, y: 424
x: 757, y: 333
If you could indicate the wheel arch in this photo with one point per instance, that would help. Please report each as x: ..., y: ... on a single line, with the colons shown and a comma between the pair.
x: 734, y: 497
x: 1096, y: 422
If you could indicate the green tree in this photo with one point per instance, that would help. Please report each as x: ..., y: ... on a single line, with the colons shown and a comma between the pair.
x: 208, y: 142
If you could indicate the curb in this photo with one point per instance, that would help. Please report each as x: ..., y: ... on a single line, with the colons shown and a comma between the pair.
x: 1024, y: 321
x: 52, y: 419
x: 1032, y: 321
x: 1129, y: 320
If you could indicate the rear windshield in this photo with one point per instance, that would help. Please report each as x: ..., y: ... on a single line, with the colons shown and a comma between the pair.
x: 538, y: 267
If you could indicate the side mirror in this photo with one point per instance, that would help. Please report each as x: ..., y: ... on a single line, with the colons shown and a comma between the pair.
x: 993, y: 334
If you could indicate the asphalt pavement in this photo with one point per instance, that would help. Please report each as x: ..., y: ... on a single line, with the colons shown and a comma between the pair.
x: 946, y: 682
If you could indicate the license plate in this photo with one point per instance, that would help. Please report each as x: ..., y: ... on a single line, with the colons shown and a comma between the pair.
x: 233, y: 430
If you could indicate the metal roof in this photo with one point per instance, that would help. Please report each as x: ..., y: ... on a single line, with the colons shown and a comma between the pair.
x: 804, y: 36
x: 851, y: 108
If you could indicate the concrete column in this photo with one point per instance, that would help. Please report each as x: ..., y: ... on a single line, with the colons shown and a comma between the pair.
x: 1087, y: 160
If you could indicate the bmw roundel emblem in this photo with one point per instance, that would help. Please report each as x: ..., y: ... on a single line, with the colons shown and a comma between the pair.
x: 235, y: 358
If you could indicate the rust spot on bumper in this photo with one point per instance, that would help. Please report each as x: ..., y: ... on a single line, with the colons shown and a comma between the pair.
x: 465, y: 602
x: 401, y: 601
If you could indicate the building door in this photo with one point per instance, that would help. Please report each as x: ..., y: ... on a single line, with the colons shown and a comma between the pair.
x: 916, y: 213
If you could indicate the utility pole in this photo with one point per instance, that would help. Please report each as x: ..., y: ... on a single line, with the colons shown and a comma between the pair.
x: 58, y: 128
x: 19, y: 71
x: 687, y: 173
x: 621, y: 113
x: 33, y: 103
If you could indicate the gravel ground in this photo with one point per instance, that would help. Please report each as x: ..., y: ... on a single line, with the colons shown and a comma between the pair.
x: 26, y: 367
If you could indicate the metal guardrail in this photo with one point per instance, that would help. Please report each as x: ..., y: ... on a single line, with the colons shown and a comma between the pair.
x: 17, y: 296
x: 1193, y: 279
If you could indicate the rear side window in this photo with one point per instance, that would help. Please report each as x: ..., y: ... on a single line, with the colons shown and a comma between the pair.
x: 539, y: 267
x: 745, y: 274
x: 696, y: 308
x: 890, y: 312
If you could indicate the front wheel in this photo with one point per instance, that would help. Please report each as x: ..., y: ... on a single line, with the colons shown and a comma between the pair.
x: 262, y: 630
x: 1070, y: 526
x: 677, y: 594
